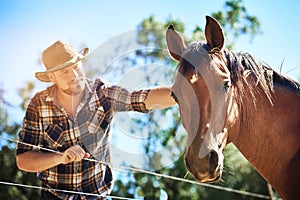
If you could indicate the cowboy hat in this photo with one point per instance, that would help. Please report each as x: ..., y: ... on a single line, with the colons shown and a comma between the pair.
x: 58, y: 56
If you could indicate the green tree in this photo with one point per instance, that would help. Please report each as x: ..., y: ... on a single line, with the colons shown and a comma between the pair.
x: 8, y: 168
x: 236, y: 21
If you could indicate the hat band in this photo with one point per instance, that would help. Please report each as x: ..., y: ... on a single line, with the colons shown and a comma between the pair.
x: 68, y: 63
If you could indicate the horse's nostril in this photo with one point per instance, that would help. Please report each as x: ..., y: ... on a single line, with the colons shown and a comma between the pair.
x: 213, y: 158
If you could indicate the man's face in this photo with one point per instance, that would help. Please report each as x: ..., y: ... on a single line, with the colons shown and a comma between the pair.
x: 71, y: 80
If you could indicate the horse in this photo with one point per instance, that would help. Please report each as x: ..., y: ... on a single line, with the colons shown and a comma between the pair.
x: 226, y: 97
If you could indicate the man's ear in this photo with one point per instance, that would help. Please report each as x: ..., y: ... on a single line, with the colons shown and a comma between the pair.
x: 51, y: 77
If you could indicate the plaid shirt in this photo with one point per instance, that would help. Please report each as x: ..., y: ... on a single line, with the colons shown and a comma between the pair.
x: 47, y: 125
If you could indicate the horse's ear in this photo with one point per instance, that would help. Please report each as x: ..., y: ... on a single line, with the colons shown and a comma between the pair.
x: 175, y: 43
x: 214, y: 34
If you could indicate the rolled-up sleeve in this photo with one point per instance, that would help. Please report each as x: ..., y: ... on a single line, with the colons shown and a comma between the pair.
x: 123, y: 100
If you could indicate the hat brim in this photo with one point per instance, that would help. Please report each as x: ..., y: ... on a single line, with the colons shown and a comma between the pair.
x: 43, y: 76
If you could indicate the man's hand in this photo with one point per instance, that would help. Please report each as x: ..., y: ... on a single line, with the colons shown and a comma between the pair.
x: 73, y: 154
x: 159, y: 98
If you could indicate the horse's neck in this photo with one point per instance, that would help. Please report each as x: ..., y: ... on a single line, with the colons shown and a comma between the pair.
x: 269, y: 135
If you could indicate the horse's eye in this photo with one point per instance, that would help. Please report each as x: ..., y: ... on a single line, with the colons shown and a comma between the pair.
x: 174, y: 97
x: 226, y: 86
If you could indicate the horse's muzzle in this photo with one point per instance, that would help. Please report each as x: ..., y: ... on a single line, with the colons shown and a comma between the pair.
x: 206, y: 169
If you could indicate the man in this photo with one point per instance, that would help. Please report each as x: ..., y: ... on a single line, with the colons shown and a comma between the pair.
x: 69, y: 121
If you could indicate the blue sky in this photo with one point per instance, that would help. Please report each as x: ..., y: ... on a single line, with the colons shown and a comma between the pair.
x: 28, y: 27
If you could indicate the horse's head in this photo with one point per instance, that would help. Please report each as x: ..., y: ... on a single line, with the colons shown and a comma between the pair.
x: 201, y: 89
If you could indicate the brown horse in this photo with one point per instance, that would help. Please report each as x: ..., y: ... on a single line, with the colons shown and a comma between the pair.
x: 226, y: 97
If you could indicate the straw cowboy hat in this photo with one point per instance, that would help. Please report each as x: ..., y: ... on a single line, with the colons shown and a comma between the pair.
x: 58, y: 56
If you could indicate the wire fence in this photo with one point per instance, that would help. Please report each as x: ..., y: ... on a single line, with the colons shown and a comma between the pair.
x: 126, y: 168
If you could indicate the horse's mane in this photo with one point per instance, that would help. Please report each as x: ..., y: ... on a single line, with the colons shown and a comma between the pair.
x: 245, y: 69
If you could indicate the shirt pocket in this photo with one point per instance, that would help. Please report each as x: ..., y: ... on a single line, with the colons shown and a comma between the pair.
x: 98, y: 122
x: 54, y: 136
